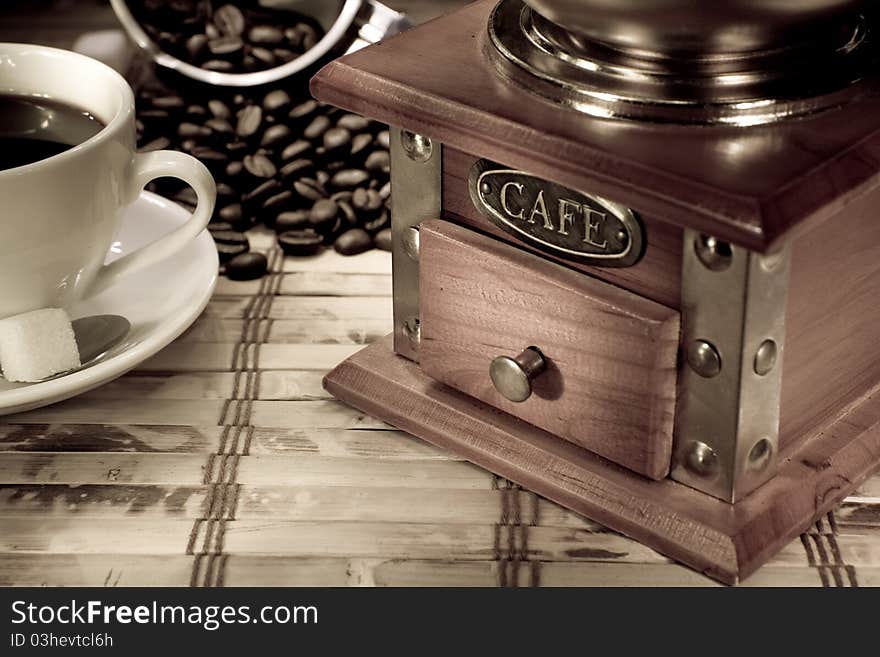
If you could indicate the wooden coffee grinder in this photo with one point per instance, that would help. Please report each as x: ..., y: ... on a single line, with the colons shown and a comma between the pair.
x: 636, y: 258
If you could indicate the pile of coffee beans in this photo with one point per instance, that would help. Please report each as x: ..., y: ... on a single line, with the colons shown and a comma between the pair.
x: 315, y: 174
x: 239, y: 37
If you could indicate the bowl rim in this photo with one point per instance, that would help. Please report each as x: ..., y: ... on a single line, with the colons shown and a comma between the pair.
x: 347, y: 15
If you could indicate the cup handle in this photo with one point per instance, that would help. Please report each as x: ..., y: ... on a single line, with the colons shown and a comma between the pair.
x: 147, y: 167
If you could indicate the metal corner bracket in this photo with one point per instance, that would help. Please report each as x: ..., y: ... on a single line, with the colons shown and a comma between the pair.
x: 733, y: 304
x: 416, y: 183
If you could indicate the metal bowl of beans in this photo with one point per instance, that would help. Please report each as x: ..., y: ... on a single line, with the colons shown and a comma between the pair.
x: 695, y: 27
x: 251, y: 42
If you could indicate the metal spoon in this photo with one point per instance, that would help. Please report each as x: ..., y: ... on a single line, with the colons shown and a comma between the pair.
x: 95, y: 336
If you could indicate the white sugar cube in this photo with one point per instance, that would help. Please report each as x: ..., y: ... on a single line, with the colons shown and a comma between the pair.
x: 37, y: 344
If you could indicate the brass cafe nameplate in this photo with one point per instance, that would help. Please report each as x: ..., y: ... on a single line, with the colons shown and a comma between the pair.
x: 559, y: 221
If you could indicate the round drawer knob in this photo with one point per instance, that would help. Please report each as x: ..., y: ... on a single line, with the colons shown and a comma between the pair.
x: 513, y: 377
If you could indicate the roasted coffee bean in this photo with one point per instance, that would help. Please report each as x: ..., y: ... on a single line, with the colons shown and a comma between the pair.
x: 238, y: 148
x: 317, y: 128
x: 197, y: 46
x: 219, y: 109
x: 229, y: 20
x: 230, y: 237
x: 224, y: 192
x: 292, y: 220
x: 383, y: 140
x: 246, y: 267
x: 225, y: 46
x: 336, y: 139
x: 259, y: 166
x: 309, y: 36
x: 187, y: 145
x: 378, y: 162
x: 276, y: 101
x: 264, y: 56
x: 360, y: 145
x: 296, y: 150
x: 218, y: 65
x: 265, y: 35
x: 155, y: 116
x: 304, y: 111
x: 220, y: 127
x: 377, y: 224
x: 168, y: 102
x: 214, y: 160
x: 187, y: 195
x: 274, y: 205
x: 353, y: 122
x: 261, y: 192
x: 322, y: 177
x: 219, y: 227
x: 234, y: 169
x: 228, y: 251
x: 385, y: 191
x: 300, y: 242
x: 212, y: 31
x: 293, y: 37
x: 309, y: 189
x: 283, y: 54
x: 353, y: 241
x: 349, y: 178
x: 323, y: 215
x: 158, y: 144
x: 366, y: 201
x: 382, y: 239
x: 297, y: 169
x: 192, y: 131
x: 249, y: 120
x: 347, y: 212
x: 275, y: 135
x: 231, y: 213
x: 196, y: 113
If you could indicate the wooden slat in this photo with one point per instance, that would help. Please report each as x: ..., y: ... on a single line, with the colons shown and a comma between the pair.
x: 101, y: 468
x: 378, y: 445
x: 108, y: 438
x: 366, y: 444
x: 95, y: 570
x: 317, y: 331
x: 103, y: 501
x: 281, y: 469
x: 304, y: 307
x: 371, y: 262
x: 207, y: 357
x: 122, y: 411
x: 309, y: 283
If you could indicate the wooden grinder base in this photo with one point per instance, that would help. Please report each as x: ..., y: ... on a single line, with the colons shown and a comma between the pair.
x: 724, y: 541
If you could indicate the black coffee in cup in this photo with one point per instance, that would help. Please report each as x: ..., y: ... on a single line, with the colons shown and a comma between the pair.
x: 32, y: 129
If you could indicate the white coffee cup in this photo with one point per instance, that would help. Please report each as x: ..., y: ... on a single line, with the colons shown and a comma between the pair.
x: 58, y: 216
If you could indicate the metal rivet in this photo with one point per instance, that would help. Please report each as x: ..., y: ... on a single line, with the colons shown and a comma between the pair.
x: 410, y: 238
x: 485, y: 189
x: 417, y: 147
x: 765, y: 357
x: 760, y: 455
x: 713, y: 253
x: 701, y: 459
x: 704, y: 359
x: 413, y: 330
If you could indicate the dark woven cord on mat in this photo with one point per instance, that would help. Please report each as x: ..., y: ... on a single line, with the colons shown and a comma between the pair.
x: 206, y: 540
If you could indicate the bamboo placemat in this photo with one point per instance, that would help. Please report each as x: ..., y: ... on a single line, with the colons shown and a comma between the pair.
x: 222, y: 462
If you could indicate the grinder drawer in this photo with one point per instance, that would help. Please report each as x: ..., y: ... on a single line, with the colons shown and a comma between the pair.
x: 587, y: 361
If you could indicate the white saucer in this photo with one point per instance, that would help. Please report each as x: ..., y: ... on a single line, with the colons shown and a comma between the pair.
x: 160, y: 302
